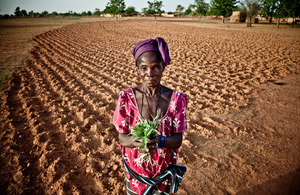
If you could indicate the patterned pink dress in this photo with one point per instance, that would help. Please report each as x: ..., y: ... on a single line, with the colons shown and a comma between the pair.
x: 126, y: 115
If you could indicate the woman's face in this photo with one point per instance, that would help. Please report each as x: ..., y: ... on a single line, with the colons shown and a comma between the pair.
x: 150, y: 68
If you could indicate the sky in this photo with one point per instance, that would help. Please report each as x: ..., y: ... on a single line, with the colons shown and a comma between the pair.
x: 63, y: 6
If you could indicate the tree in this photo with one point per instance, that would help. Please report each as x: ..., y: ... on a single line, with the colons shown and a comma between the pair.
x: 252, y: 8
x: 6, y: 16
x: 54, y: 13
x: 24, y: 13
x: 144, y: 10
x: 179, y: 9
x: 31, y: 13
x: 223, y: 7
x: 115, y: 7
x: 153, y: 8
x: 190, y: 10
x: 268, y: 8
x: 130, y: 10
x: 292, y: 8
x: 280, y: 9
x: 201, y: 7
x: 18, y: 12
x: 286, y: 8
x: 97, y: 12
x: 69, y: 13
x: 89, y: 13
x: 45, y: 13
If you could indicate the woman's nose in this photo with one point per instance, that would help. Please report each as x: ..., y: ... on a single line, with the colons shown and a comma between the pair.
x: 150, y: 72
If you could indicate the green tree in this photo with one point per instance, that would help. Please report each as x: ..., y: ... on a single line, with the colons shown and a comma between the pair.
x: 130, y: 10
x: 115, y: 7
x: 268, y: 8
x: 97, y: 12
x: 201, y: 7
x: 89, y: 13
x: 31, y: 13
x: 69, y: 13
x: 153, y: 8
x: 18, y: 12
x: 252, y: 8
x: 280, y: 8
x: 179, y: 9
x: 223, y: 7
x: 6, y: 16
x: 292, y: 8
x: 76, y: 14
x: 54, y: 13
x: 144, y: 10
x: 45, y: 13
x: 190, y: 10
x: 24, y: 13
x: 286, y: 8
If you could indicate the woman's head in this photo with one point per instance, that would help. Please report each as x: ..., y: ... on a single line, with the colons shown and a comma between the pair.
x: 151, y: 56
x: 150, y: 67
x: 157, y: 45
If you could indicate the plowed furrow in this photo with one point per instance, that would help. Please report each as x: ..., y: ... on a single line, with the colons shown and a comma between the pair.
x: 61, y: 80
x: 23, y: 148
x: 52, y: 140
x: 96, y: 75
x: 62, y: 102
x: 76, y: 128
x: 88, y: 65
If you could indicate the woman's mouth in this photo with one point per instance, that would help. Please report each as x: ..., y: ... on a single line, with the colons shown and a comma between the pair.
x: 151, y: 80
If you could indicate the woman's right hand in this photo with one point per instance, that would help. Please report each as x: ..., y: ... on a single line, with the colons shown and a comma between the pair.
x: 138, y: 145
x: 150, y: 148
x: 127, y: 141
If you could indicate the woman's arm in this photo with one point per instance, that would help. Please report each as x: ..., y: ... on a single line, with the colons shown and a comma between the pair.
x: 126, y: 140
x: 173, y: 141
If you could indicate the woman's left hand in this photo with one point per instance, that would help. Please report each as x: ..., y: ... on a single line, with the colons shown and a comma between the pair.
x: 152, y: 145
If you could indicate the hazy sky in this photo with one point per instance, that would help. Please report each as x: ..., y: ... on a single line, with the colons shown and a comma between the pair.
x: 9, y: 6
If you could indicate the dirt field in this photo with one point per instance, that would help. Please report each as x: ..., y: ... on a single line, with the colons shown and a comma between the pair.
x: 16, y: 39
x: 243, y: 86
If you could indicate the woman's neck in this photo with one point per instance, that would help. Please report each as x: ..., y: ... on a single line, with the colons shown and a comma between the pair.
x: 151, y: 91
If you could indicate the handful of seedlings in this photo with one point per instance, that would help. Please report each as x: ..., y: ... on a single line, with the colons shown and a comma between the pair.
x: 146, y: 130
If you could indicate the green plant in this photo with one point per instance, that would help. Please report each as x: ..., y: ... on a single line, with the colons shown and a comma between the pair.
x: 146, y: 130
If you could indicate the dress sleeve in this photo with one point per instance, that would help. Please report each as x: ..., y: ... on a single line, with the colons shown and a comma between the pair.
x: 179, y: 121
x: 120, y: 119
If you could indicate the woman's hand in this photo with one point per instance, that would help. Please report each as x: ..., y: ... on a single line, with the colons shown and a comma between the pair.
x: 127, y: 141
x: 173, y: 141
x: 151, y: 145
x: 138, y: 145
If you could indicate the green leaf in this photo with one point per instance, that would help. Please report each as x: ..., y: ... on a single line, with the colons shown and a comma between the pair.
x: 144, y: 143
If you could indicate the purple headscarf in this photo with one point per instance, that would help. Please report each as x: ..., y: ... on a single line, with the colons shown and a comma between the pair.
x: 158, y: 45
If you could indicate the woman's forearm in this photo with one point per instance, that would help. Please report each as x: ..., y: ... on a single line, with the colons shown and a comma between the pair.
x: 173, y: 141
x: 126, y: 140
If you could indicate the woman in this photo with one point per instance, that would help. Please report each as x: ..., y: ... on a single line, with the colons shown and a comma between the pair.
x: 151, y: 56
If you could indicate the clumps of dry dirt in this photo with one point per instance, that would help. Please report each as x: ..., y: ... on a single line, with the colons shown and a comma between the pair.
x: 57, y: 134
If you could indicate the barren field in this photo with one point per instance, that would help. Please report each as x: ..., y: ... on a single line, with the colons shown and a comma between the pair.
x: 243, y: 115
x: 16, y: 39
